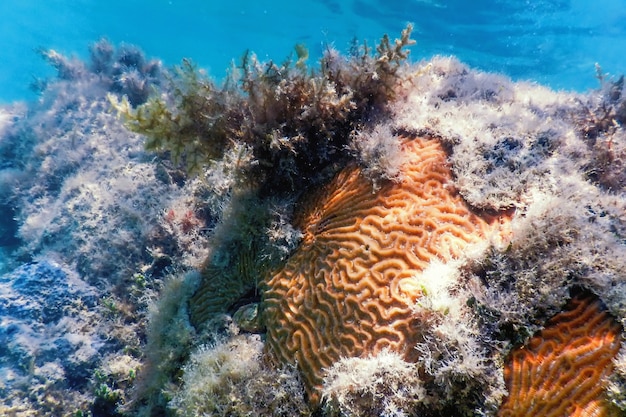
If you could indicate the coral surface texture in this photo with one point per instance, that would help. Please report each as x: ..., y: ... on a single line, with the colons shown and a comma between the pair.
x: 562, y: 371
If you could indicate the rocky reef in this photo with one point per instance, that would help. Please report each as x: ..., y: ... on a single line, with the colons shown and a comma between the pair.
x: 49, y: 338
x: 82, y: 219
x: 370, y: 237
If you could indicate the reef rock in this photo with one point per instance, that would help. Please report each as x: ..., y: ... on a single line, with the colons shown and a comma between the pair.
x: 45, y: 334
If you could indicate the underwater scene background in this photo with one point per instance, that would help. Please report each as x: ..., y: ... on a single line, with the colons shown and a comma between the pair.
x: 332, y: 208
x: 554, y: 42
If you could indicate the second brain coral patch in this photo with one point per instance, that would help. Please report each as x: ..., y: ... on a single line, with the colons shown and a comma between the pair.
x: 563, y: 370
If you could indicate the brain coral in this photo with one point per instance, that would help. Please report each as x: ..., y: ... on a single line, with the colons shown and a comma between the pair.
x: 348, y: 290
x: 221, y: 286
x: 562, y: 371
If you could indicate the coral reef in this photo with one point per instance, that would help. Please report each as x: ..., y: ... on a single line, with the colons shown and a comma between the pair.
x: 518, y: 160
x: 424, y: 224
x: 234, y: 268
x: 224, y: 286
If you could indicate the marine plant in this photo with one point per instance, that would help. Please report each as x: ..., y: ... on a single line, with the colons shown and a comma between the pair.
x: 600, y: 123
x: 296, y: 121
x: 123, y: 70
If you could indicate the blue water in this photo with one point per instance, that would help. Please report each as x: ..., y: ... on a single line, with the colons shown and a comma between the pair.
x: 555, y: 42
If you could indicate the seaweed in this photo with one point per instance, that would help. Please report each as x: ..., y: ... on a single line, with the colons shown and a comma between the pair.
x: 600, y: 122
x: 296, y: 121
x: 123, y: 70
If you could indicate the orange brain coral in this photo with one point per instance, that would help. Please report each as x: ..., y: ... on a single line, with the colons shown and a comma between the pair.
x: 561, y: 372
x: 348, y: 289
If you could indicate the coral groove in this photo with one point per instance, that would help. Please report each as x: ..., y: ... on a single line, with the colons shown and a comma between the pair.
x: 562, y: 371
x: 349, y: 289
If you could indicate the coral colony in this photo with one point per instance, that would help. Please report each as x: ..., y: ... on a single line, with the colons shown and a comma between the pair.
x: 366, y: 237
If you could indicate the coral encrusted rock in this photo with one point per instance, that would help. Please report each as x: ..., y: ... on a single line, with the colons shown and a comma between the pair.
x: 350, y: 288
x: 563, y: 370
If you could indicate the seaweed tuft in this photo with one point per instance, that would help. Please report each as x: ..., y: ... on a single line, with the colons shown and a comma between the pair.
x: 296, y: 121
x: 123, y: 71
